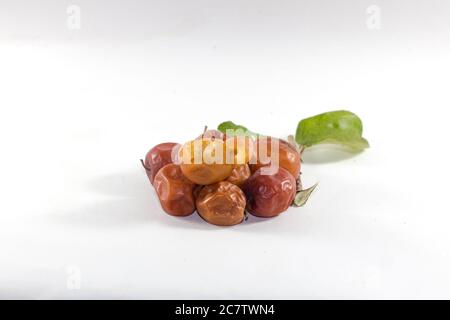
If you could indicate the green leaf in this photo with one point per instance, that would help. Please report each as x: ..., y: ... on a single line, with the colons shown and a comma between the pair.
x: 336, y: 127
x: 302, y: 196
x: 232, y: 129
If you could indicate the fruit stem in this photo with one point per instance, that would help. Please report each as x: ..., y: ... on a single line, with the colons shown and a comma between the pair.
x: 301, y: 148
x: 204, y: 131
x: 143, y: 164
x: 299, y: 182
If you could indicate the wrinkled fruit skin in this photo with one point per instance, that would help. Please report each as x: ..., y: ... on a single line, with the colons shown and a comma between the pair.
x: 269, y: 195
x: 289, y: 157
x: 222, y: 204
x: 158, y: 157
x: 175, y: 191
x: 239, y: 174
x: 205, y: 172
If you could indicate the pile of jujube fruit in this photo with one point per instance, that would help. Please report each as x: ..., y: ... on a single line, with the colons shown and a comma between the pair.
x: 223, y: 191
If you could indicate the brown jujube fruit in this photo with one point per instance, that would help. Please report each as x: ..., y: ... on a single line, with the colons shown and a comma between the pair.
x: 269, y: 195
x: 175, y: 191
x: 158, y: 157
x: 239, y: 174
x: 288, y: 157
x: 222, y: 204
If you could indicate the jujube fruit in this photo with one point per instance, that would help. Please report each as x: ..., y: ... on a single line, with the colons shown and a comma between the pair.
x: 158, y: 157
x: 269, y: 195
x: 175, y: 191
x: 206, y: 161
x: 212, y: 134
x: 243, y: 147
x: 222, y: 204
x: 239, y: 174
x: 288, y: 157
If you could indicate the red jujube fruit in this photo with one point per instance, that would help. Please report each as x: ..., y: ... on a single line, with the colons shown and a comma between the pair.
x: 158, y: 157
x: 175, y: 191
x: 269, y: 195
x: 288, y: 157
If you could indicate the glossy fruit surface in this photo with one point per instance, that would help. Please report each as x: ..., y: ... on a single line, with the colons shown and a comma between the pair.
x: 221, y: 204
x: 175, y: 191
x: 288, y: 157
x: 158, y: 157
x: 239, y: 174
x: 206, y: 161
x: 243, y: 147
x: 269, y: 195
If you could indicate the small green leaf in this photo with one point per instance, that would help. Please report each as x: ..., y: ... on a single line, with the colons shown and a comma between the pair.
x: 302, y: 196
x: 336, y: 127
x: 232, y: 129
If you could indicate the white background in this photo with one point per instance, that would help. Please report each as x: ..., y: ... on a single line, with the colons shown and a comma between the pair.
x: 79, y: 108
